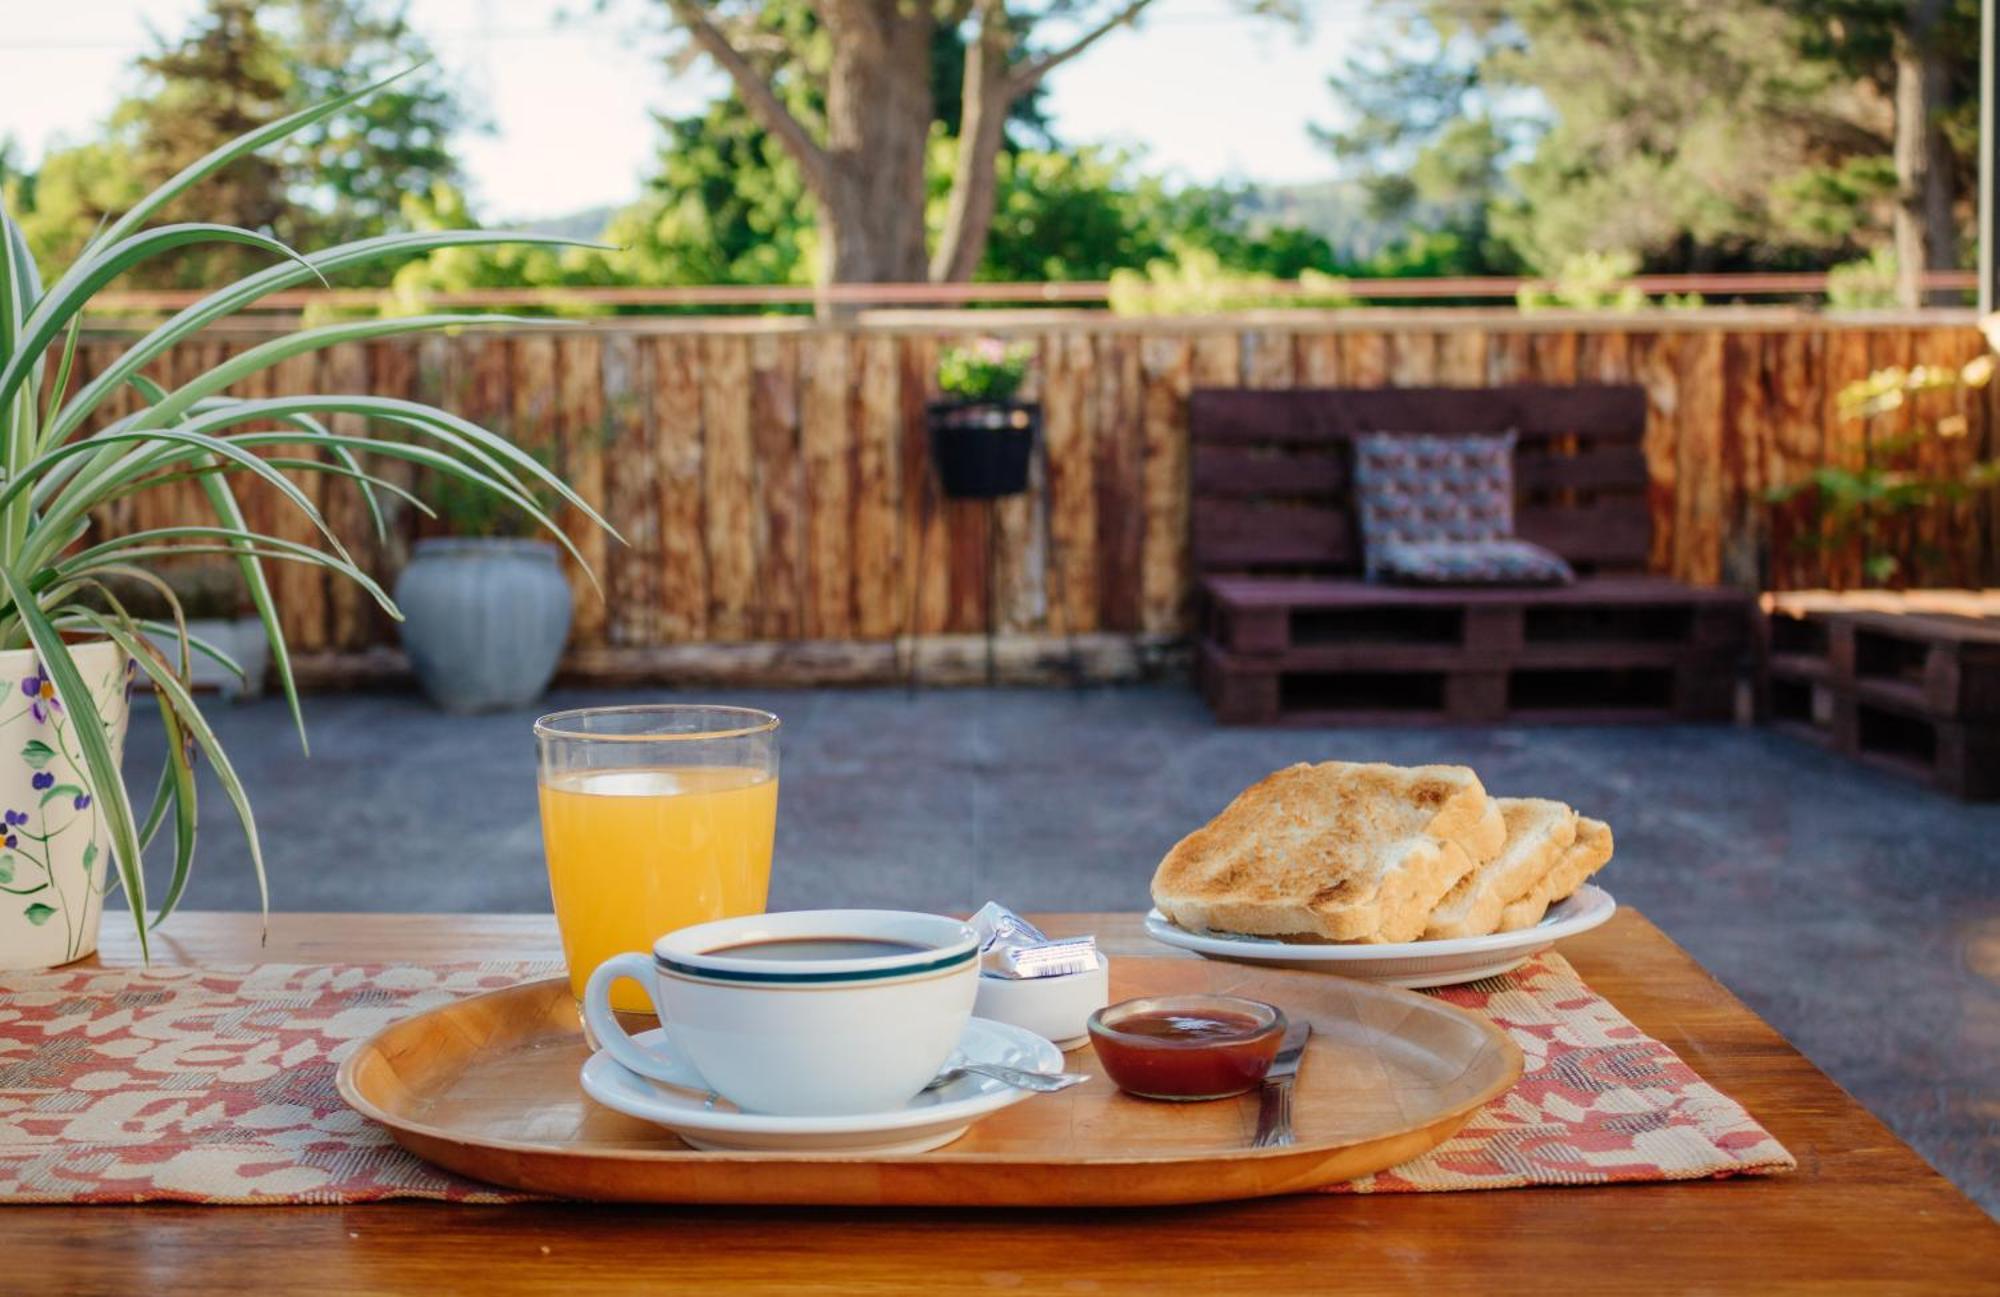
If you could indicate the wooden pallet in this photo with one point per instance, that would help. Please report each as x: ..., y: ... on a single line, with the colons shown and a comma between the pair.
x: 1556, y: 684
x: 1260, y: 615
x: 1908, y: 683
x: 1291, y: 632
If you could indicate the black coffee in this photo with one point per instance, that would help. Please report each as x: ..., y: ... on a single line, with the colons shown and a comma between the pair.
x: 798, y: 949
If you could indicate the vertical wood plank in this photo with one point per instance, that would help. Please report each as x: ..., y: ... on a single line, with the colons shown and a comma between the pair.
x: 826, y: 446
x: 969, y: 538
x: 1462, y: 358
x: 301, y: 591
x: 1656, y: 364
x: 681, y: 571
x: 1798, y: 441
x: 1268, y: 358
x: 926, y: 567
x: 632, y: 493
x: 1552, y: 358
x: 1846, y: 439
x: 1507, y: 359
x: 1698, y: 514
x: 1119, y: 482
x: 582, y: 430
x: 1167, y: 375
x: 1318, y: 360
x: 732, y: 527
x: 878, y: 612
x: 344, y: 369
x: 1748, y: 378
x: 1365, y: 359
x: 1413, y: 359
x: 1020, y: 572
x: 1604, y: 356
x: 780, y: 485
x: 1072, y: 505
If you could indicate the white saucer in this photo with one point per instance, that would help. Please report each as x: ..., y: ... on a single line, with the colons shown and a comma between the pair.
x: 1413, y: 964
x: 930, y: 1120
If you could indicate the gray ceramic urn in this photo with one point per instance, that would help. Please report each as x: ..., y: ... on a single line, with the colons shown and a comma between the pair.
x: 485, y: 620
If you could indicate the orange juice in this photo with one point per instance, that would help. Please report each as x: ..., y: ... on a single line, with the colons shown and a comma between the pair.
x: 637, y: 852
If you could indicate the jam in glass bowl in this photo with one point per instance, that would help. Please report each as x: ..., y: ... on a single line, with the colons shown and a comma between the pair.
x: 1187, y: 1047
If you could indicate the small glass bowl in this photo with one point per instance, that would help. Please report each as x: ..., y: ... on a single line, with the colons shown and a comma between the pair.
x: 1185, y: 1069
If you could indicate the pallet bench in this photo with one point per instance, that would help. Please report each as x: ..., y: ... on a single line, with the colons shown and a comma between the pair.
x: 1290, y: 633
x: 1905, y: 682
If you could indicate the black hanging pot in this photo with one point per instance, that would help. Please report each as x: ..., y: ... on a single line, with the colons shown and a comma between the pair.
x: 981, y: 448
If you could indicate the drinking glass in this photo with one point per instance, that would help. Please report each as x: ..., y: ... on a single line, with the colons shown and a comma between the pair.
x: 654, y: 817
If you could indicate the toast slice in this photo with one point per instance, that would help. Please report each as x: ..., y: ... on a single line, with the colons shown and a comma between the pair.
x: 1339, y: 851
x: 1539, y: 832
x: 1585, y: 857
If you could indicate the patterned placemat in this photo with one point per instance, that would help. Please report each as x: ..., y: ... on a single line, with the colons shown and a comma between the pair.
x: 216, y: 1085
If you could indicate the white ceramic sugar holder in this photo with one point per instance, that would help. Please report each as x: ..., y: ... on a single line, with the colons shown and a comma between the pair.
x: 1054, y: 1008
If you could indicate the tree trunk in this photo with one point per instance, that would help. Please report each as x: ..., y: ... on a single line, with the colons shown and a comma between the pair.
x: 1926, y: 231
x: 878, y: 116
x: 989, y: 94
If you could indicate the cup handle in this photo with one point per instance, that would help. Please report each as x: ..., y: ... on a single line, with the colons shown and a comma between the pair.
x: 604, y: 1024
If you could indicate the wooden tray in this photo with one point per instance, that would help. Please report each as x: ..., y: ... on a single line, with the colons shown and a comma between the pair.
x: 487, y: 1087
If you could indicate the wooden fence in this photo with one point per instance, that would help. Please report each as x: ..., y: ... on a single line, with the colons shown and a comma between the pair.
x: 771, y: 477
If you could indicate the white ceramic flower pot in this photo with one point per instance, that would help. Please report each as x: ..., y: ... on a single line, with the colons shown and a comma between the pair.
x: 55, y: 846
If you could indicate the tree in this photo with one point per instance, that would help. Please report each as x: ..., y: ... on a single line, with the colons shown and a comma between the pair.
x: 241, y: 65
x: 862, y: 155
x: 1695, y: 135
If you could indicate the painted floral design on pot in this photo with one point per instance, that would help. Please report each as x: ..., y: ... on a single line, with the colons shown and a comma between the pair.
x: 54, y: 844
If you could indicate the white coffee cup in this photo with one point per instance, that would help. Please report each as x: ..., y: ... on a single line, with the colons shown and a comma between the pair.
x: 798, y: 1037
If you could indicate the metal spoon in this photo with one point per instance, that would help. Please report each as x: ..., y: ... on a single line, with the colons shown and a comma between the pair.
x: 1019, y: 1078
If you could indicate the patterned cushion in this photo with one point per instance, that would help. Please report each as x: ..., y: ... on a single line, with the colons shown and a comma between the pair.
x: 1419, y: 487
x: 1468, y: 562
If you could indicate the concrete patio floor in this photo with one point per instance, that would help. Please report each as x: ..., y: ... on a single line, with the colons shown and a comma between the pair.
x: 1859, y: 914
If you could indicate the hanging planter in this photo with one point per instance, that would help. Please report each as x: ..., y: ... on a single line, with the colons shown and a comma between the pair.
x: 982, y: 448
x: 981, y: 437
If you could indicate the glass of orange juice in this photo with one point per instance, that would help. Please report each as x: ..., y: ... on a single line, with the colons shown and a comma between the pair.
x: 653, y: 818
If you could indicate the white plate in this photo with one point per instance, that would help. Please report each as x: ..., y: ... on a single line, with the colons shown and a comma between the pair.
x: 1413, y: 964
x: 930, y: 1120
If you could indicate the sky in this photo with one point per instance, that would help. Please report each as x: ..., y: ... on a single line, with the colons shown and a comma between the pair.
x: 1206, y: 93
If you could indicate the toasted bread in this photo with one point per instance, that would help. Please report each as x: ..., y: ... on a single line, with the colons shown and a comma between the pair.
x: 1585, y: 857
x: 1538, y: 833
x: 1340, y: 851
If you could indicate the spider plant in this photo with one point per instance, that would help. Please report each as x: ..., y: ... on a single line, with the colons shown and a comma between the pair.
x: 64, y: 457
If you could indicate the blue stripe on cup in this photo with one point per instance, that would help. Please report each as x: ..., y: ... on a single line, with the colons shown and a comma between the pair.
x: 774, y: 978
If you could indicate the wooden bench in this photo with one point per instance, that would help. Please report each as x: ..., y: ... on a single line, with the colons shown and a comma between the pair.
x: 1290, y: 632
x: 1908, y: 682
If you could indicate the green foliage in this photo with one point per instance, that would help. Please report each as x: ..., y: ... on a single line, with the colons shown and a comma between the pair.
x: 1697, y: 136
x: 1196, y: 282
x: 1862, y: 505
x: 60, y: 475
x: 988, y: 370
x: 243, y: 65
x: 1598, y: 281
x: 1868, y: 283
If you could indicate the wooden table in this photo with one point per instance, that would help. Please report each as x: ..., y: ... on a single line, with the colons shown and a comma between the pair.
x: 1862, y: 1212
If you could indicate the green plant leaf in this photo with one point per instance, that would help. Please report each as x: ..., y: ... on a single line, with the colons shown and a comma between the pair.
x: 234, y: 297
x: 189, y: 715
x: 73, y: 291
x: 101, y: 764
x: 179, y: 771
x: 230, y: 514
x: 234, y: 370
x: 38, y: 914
x: 37, y: 753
